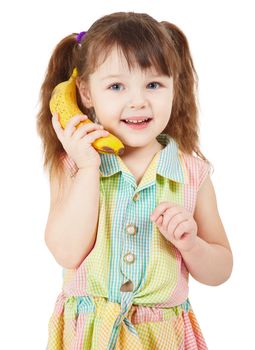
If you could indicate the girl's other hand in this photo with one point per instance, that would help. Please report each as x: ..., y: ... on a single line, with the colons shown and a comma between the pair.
x: 77, y: 142
x: 176, y: 224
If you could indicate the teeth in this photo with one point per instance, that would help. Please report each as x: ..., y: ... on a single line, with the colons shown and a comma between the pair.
x: 136, y: 121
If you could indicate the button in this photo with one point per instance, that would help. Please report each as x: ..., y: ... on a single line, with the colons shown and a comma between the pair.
x: 131, y: 229
x: 136, y: 196
x: 129, y: 257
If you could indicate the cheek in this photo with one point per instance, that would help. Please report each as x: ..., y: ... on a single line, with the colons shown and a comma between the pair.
x: 167, y: 111
x: 107, y: 110
x: 102, y: 108
x: 164, y: 112
x: 165, y: 116
x: 168, y: 102
x: 163, y: 103
x: 107, y: 115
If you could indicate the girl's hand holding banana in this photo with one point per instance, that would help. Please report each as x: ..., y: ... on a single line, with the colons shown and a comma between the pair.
x: 77, y: 141
x: 63, y: 101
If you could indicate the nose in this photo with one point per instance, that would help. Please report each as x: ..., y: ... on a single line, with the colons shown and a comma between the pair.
x: 137, y: 100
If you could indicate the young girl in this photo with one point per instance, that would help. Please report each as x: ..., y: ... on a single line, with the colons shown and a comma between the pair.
x: 128, y: 229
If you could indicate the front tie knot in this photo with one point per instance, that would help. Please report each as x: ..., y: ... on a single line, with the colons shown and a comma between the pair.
x: 126, y: 304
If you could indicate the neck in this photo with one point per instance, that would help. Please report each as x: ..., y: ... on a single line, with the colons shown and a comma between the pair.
x: 141, y: 153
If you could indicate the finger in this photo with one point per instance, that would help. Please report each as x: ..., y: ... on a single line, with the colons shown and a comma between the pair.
x: 72, y: 123
x: 174, y: 221
x: 85, y: 129
x: 159, y: 210
x: 56, y: 126
x: 159, y: 220
x: 181, y: 230
x: 172, y: 216
x: 162, y: 208
x: 91, y: 137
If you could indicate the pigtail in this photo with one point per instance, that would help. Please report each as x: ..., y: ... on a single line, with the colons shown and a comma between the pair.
x: 59, y: 69
x: 184, y: 119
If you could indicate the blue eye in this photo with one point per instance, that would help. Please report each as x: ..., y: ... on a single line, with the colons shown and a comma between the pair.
x: 154, y: 82
x: 115, y: 84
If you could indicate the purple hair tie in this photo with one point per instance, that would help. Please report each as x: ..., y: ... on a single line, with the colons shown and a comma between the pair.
x: 80, y: 36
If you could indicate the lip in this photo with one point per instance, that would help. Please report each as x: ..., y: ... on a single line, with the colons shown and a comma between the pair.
x: 137, y: 126
x: 136, y: 118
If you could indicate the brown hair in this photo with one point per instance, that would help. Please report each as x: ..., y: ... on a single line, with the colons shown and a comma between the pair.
x: 143, y: 41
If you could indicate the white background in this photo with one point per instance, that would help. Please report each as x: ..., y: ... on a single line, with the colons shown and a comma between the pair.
x: 221, y: 38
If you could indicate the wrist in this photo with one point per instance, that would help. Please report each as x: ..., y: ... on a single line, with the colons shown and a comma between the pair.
x: 93, y: 171
x: 89, y: 168
x: 194, y: 248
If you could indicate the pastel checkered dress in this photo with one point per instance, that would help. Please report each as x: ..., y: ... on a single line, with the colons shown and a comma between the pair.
x: 154, y: 312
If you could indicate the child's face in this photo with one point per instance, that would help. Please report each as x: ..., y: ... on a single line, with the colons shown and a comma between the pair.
x: 130, y: 94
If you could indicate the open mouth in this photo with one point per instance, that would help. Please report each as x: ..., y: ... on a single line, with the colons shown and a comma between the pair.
x: 137, y: 124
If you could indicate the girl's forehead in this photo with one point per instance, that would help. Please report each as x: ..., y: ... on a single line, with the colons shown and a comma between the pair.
x: 115, y: 62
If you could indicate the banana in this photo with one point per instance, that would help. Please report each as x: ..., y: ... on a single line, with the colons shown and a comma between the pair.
x: 63, y: 101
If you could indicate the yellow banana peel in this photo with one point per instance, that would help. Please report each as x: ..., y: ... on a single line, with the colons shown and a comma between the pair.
x: 63, y: 101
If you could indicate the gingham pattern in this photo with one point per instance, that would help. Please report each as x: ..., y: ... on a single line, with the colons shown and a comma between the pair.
x: 91, y: 312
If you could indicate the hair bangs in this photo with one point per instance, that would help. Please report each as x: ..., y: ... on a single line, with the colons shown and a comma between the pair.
x: 141, y: 47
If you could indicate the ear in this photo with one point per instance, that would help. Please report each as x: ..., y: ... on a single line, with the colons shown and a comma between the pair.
x: 84, y: 93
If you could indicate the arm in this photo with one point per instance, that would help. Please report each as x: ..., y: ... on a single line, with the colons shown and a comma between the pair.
x: 210, y: 261
x: 70, y: 232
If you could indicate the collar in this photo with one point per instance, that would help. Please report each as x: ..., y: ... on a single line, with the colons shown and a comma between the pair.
x: 170, y: 165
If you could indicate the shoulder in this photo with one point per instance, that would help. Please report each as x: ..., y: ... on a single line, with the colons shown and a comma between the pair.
x: 206, y: 214
x: 197, y: 170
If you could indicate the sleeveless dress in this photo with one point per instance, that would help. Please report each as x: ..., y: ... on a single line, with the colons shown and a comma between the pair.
x: 92, y: 312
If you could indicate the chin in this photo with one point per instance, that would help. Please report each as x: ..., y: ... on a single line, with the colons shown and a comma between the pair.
x: 136, y: 143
